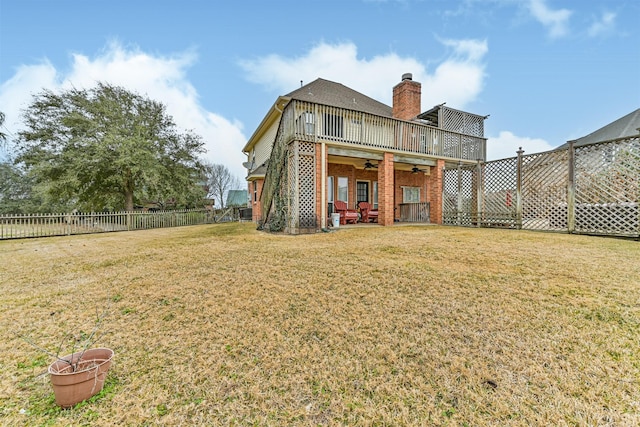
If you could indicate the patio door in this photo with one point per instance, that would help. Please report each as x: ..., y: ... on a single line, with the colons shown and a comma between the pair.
x: 362, y: 191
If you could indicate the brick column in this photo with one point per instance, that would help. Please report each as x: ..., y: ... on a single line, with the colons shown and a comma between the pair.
x: 436, y: 183
x: 385, y: 190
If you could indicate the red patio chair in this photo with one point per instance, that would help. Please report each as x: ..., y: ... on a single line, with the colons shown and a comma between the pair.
x: 367, y: 213
x: 346, y: 215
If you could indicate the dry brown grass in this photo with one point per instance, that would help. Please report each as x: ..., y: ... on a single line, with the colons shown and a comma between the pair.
x: 424, y: 325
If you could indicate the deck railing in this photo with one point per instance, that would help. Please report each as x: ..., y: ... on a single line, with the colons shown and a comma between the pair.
x: 307, y: 121
x: 62, y: 224
x: 414, y: 212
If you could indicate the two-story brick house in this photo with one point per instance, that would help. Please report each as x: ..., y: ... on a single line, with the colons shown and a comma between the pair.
x: 325, y: 142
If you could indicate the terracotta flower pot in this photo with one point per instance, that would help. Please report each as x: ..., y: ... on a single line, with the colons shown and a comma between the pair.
x: 71, y: 387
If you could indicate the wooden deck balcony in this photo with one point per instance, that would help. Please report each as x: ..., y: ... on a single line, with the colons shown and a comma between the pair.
x: 316, y: 122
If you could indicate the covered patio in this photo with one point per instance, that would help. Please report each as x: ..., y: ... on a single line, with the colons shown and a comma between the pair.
x: 397, y: 187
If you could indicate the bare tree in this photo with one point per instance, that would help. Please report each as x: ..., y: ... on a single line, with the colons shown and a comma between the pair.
x: 219, y: 182
x: 3, y: 137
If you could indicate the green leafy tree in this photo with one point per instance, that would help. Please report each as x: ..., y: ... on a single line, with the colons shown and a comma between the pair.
x: 107, y: 147
x: 15, y: 190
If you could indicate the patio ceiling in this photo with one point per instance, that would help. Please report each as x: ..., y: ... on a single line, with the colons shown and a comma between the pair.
x: 358, y: 160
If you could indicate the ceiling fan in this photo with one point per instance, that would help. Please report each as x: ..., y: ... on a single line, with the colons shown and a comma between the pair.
x: 415, y: 169
x: 369, y: 165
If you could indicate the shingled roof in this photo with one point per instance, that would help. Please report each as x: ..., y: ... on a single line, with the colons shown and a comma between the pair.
x: 621, y: 128
x: 326, y: 92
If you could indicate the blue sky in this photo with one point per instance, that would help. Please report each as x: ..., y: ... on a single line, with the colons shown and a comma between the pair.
x: 546, y: 71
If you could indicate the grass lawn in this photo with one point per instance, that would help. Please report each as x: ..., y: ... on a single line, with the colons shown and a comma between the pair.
x: 415, y: 325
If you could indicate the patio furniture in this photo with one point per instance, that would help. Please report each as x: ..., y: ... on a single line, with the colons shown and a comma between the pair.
x: 368, y: 214
x: 346, y: 215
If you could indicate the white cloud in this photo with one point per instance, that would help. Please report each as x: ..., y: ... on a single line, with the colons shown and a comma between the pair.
x: 506, y: 144
x: 160, y: 78
x: 556, y: 21
x: 458, y: 80
x: 16, y: 92
x: 468, y: 50
x: 603, y: 26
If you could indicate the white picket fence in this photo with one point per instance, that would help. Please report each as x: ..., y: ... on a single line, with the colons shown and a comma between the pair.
x: 64, y: 224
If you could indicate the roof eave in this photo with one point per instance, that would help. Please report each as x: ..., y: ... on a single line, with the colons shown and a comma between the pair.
x: 272, y: 115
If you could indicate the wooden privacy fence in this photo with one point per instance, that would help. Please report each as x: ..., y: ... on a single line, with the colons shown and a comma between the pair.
x: 590, y: 189
x: 43, y: 225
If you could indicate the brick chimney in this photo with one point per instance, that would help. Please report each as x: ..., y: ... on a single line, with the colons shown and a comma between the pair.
x: 406, y: 98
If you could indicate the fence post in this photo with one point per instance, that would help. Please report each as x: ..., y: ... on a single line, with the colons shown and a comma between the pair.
x: 571, y: 190
x: 479, y: 194
x: 128, y: 221
x: 459, y: 201
x: 519, y: 189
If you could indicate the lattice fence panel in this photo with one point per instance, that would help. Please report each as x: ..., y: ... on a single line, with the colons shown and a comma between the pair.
x: 499, y: 205
x: 545, y: 177
x: 292, y: 188
x: 450, y: 196
x: 460, y: 196
x: 607, y: 188
x: 606, y: 185
x: 452, y: 120
x: 461, y: 122
x: 307, y: 186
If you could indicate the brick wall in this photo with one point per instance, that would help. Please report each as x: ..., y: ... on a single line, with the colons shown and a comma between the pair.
x: 256, y: 205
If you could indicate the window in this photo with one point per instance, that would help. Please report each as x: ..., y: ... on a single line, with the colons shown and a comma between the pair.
x: 410, y: 194
x: 255, y: 191
x: 375, y: 195
x: 343, y: 189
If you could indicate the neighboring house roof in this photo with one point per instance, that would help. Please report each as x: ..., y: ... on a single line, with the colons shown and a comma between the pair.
x: 237, y: 198
x: 334, y: 94
x: 628, y: 125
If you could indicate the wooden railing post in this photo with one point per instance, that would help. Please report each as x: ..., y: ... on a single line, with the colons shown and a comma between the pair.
x: 519, y: 189
x: 459, y: 201
x: 479, y: 194
x: 571, y: 190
